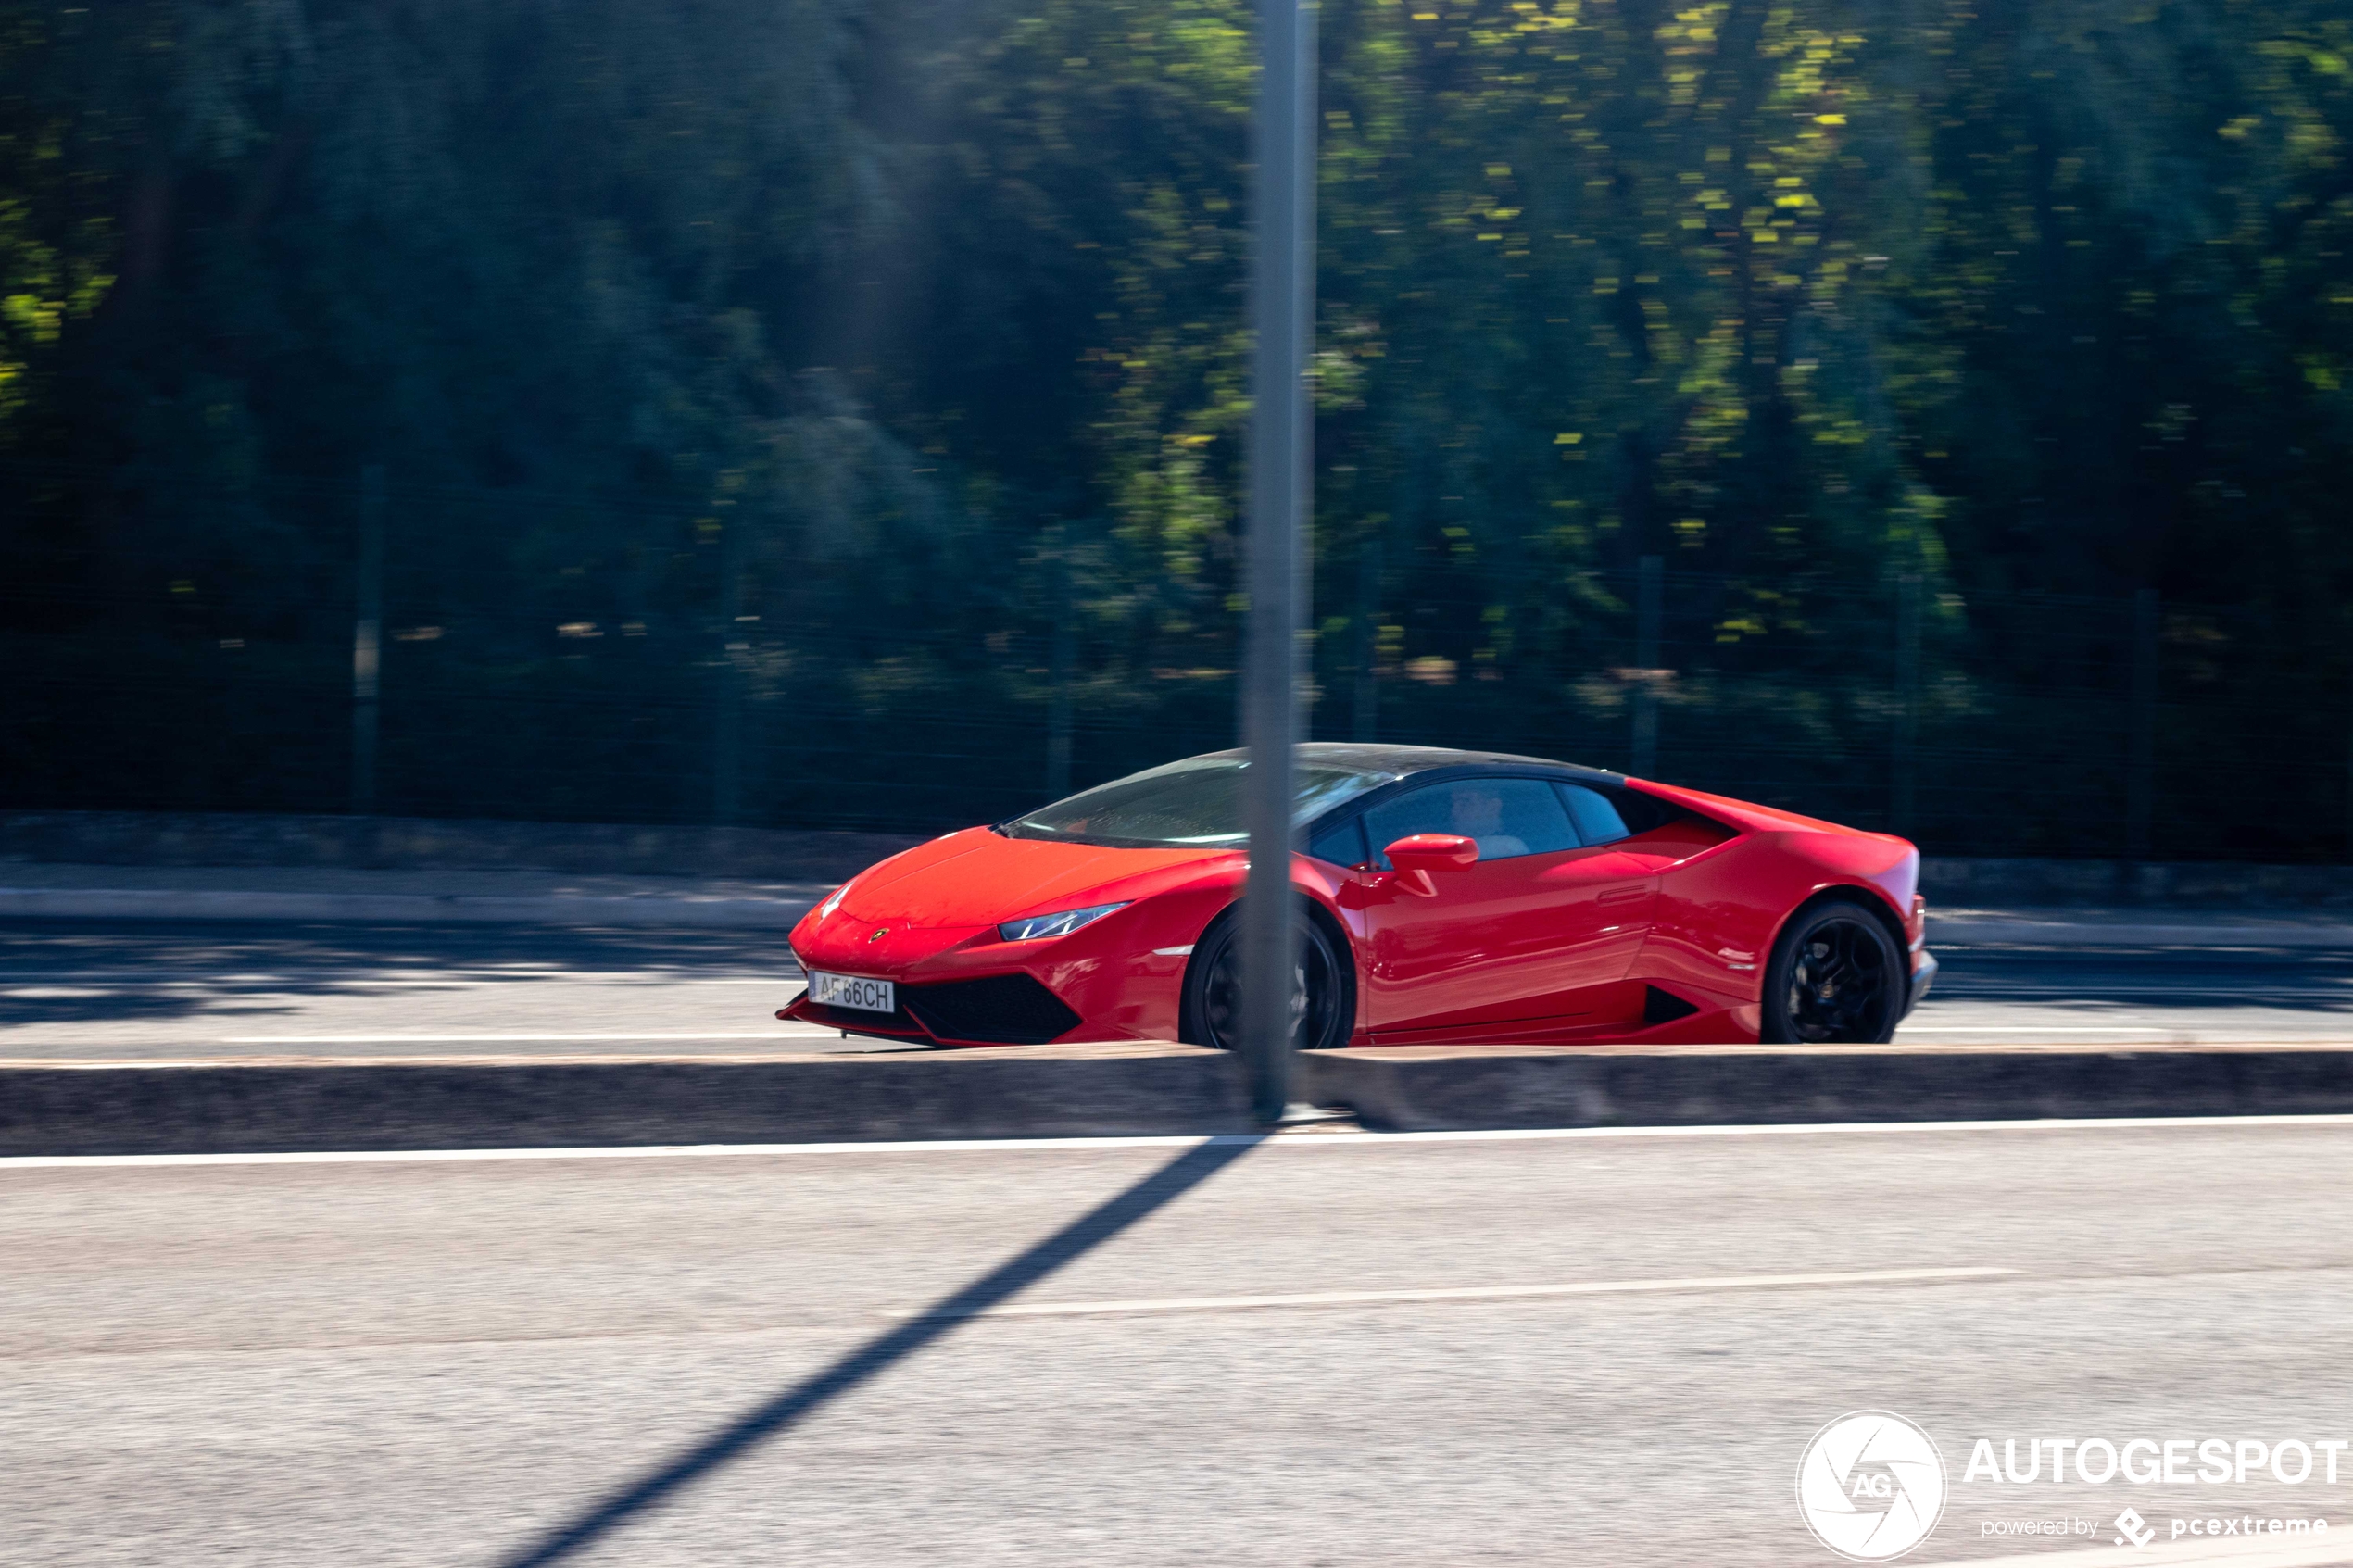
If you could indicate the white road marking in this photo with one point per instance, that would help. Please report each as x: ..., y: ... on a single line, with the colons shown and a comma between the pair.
x: 1294, y: 1140
x: 1468, y: 1293
x: 13, y: 982
x: 497, y: 1039
x: 2036, y: 1029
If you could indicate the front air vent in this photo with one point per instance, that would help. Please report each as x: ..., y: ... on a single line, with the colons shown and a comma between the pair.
x: 1004, y: 1010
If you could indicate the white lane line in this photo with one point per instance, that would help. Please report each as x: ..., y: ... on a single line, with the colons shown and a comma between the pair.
x: 2035, y: 1029
x: 1294, y: 1141
x: 639, y: 980
x: 1469, y: 1293
x: 492, y: 1039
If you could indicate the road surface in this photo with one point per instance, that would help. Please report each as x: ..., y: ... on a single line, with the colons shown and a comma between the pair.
x: 626, y: 1361
x: 77, y: 989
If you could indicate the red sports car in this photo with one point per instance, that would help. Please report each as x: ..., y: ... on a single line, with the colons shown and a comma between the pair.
x: 1442, y: 896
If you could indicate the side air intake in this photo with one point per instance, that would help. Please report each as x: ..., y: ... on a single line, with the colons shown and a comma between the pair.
x: 1664, y: 1007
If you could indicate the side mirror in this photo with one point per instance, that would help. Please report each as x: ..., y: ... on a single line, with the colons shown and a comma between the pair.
x: 1433, y: 852
x: 1418, y: 855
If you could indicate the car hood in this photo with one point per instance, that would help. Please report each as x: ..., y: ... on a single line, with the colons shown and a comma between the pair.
x: 979, y: 877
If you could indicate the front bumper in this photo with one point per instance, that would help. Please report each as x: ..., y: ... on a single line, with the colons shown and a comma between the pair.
x: 995, y: 1010
x: 1924, y: 968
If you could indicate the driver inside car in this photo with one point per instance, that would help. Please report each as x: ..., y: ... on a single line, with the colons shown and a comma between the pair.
x: 1477, y: 813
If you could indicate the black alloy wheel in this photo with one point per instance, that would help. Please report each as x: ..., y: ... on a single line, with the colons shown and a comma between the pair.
x: 1837, y: 978
x: 1323, y: 1004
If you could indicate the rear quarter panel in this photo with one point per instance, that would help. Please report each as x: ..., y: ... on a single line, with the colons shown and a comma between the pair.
x: 1718, y: 914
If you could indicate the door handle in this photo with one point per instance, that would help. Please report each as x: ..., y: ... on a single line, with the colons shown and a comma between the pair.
x: 1633, y: 895
x: 1365, y: 889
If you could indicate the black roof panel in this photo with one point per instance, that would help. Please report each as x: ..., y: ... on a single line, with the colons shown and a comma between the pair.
x: 1407, y: 759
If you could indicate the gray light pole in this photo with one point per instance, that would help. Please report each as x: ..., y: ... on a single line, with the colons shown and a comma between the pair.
x: 1281, y: 458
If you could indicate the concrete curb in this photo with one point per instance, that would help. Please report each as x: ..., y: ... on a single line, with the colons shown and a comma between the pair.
x: 217, y: 1107
x: 1429, y: 1090
x: 237, y: 838
x: 239, y: 1107
x: 182, y: 904
x: 1998, y: 883
x: 2010, y: 931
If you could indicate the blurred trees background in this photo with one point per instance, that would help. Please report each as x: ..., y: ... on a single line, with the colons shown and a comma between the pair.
x: 804, y: 411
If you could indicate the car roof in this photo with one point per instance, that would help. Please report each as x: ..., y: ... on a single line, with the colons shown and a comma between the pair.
x: 1404, y: 761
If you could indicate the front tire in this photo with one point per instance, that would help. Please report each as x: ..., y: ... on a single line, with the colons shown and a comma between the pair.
x: 1836, y: 978
x: 1323, y: 997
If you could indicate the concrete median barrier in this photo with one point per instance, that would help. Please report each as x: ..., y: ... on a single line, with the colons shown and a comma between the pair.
x: 199, y: 1107
x: 1429, y: 1088
x: 227, y: 1107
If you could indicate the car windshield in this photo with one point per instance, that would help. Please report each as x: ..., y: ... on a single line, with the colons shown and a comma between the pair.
x: 1194, y: 803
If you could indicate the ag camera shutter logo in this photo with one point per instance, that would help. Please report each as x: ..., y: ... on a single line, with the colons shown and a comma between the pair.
x: 1871, y: 1487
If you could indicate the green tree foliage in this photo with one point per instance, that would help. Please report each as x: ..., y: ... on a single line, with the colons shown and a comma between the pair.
x: 56, y: 237
x: 839, y: 347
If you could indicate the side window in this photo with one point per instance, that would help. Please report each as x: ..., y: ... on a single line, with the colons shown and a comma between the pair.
x: 1597, y: 817
x: 1507, y: 817
x: 1340, y: 843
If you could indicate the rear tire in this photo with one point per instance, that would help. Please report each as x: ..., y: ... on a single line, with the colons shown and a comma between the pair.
x: 1323, y: 998
x: 1836, y: 978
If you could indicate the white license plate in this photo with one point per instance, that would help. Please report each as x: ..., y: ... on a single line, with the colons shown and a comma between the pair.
x: 848, y: 991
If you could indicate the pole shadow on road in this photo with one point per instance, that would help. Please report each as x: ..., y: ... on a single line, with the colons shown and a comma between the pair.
x: 1090, y: 1230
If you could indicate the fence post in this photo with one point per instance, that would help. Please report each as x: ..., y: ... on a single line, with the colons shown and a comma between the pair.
x: 1648, y: 608
x: 2348, y: 783
x: 2140, y: 795
x: 727, y: 727
x: 1365, y: 723
x: 1058, y: 708
x: 1904, y: 806
x: 367, y: 642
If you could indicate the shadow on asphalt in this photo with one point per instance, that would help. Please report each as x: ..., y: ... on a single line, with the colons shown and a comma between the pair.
x: 108, y: 971
x: 2292, y: 979
x: 1172, y: 1181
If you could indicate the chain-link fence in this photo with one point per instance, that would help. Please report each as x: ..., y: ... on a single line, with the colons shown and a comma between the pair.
x: 543, y: 658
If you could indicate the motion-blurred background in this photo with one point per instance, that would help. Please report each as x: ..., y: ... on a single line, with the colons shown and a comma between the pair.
x: 828, y: 413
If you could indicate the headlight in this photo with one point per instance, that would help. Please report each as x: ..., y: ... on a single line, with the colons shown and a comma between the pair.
x: 832, y: 900
x: 1062, y: 925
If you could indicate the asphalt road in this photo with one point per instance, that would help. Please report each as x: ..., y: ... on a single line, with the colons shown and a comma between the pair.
x: 89, y: 989
x: 2062, y: 995
x: 97, y: 990
x: 380, y: 1362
